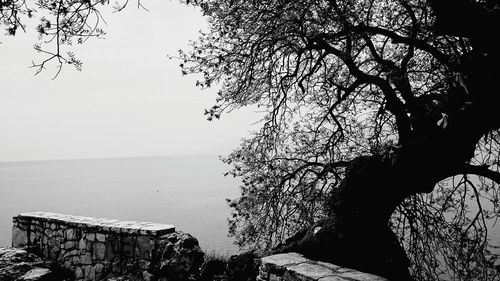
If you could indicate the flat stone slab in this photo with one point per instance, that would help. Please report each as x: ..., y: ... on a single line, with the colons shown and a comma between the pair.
x: 295, y: 267
x: 282, y: 260
x: 311, y: 271
x: 36, y: 273
x: 107, y: 225
x: 361, y: 276
x: 333, y: 278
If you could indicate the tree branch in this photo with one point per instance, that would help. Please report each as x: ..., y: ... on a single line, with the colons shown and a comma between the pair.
x: 482, y: 171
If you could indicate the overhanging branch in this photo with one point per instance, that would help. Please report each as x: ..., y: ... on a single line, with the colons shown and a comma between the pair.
x: 483, y: 171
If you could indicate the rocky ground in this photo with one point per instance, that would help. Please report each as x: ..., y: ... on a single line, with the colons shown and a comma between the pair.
x: 20, y: 265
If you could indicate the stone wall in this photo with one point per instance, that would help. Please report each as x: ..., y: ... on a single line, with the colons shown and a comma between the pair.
x: 295, y: 267
x: 95, y: 249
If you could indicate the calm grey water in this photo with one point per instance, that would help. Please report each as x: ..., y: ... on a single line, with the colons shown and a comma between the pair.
x: 186, y: 191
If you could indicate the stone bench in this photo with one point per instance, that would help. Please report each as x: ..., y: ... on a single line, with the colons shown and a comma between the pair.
x: 97, y: 248
x: 295, y: 267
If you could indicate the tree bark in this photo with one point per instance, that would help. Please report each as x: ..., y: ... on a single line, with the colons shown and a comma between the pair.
x: 356, y: 233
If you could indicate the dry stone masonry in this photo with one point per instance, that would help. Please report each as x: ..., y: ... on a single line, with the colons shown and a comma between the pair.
x: 295, y: 267
x: 95, y: 249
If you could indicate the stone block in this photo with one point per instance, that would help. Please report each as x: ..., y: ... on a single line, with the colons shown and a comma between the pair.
x: 333, y: 278
x: 86, y: 259
x: 361, y: 276
x: 35, y: 274
x: 279, y: 261
x: 294, y: 267
x: 98, y: 251
x: 78, y: 273
x: 70, y: 234
x: 82, y: 245
x: 89, y: 272
x: 90, y: 236
x: 144, y: 247
x: 110, y: 250
x: 68, y: 245
x: 19, y: 237
x: 33, y: 238
x: 330, y: 266
x: 306, y: 272
x: 127, y: 246
x: 100, y: 237
x: 99, y: 270
x: 156, y: 229
x: 99, y: 267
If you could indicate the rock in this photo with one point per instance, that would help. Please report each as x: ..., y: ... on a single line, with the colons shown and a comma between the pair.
x: 86, y: 259
x: 307, y: 270
x: 78, y: 273
x: 144, y: 246
x: 21, y: 265
x: 280, y: 260
x: 70, y: 234
x: 243, y: 267
x: 179, y: 260
x: 69, y: 245
x: 89, y: 272
x: 90, y: 236
x: 82, y: 245
x: 99, y: 251
x: 19, y: 237
x: 37, y: 273
x: 212, y: 268
x: 100, y: 237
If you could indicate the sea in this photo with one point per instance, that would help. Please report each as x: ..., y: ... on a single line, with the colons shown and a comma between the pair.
x: 187, y: 191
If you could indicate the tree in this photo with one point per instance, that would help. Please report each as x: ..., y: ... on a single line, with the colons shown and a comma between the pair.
x: 369, y: 107
x: 61, y: 24
x: 380, y: 140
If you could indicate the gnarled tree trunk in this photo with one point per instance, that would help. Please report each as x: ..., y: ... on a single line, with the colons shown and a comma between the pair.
x: 356, y: 233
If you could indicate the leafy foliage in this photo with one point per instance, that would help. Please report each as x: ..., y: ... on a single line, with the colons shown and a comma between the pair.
x: 61, y: 24
x: 337, y: 80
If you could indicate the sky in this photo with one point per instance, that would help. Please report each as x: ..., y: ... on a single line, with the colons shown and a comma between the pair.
x: 130, y: 99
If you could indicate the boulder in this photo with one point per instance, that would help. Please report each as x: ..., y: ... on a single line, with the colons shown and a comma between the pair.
x: 178, y: 257
x: 21, y: 265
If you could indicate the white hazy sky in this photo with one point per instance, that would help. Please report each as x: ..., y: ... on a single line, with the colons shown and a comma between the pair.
x: 129, y: 100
